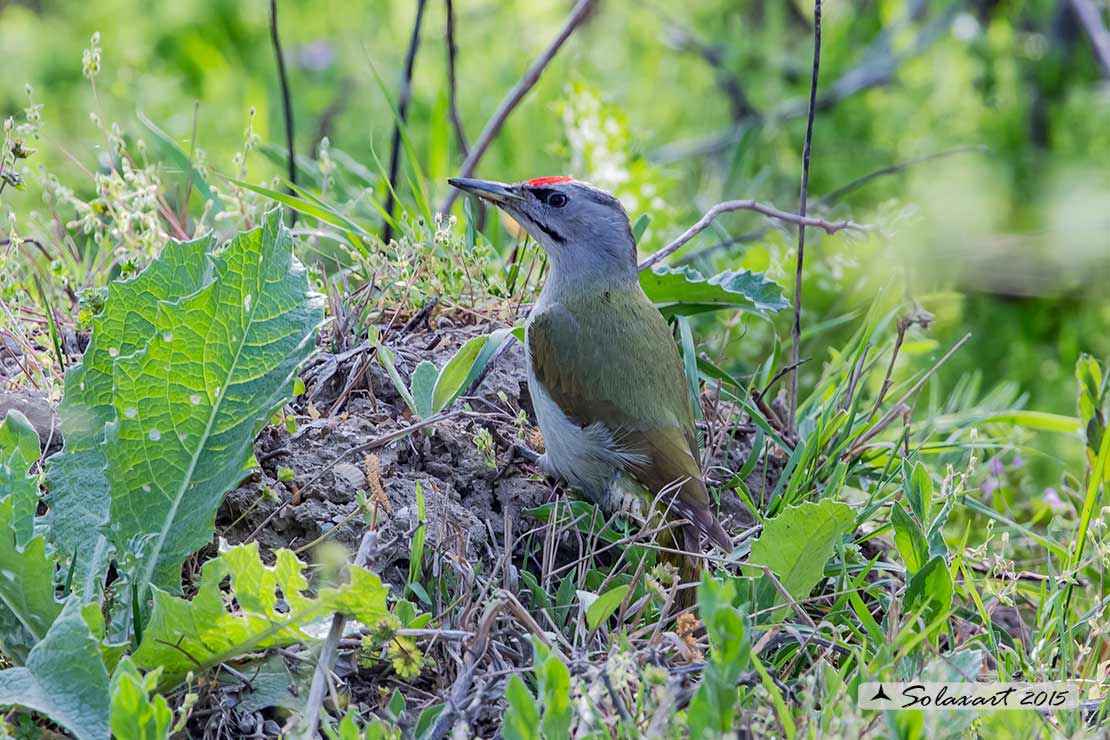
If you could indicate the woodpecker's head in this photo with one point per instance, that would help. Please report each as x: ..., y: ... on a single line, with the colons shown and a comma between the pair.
x: 584, y: 230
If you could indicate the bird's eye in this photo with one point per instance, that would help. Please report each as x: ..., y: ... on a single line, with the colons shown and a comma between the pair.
x: 556, y: 200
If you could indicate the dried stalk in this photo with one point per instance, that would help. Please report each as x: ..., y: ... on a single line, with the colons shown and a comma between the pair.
x: 796, y: 331
x: 703, y: 223
x: 526, y: 83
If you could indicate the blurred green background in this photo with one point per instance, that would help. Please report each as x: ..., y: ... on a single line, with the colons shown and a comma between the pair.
x: 677, y: 106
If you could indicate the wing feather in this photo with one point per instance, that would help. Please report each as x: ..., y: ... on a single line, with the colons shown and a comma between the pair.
x: 595, y: 356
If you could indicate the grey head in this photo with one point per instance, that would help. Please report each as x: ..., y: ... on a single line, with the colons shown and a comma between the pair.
x: 584, y: 230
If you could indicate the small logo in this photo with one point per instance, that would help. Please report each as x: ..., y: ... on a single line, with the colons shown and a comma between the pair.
x: 969, y: 696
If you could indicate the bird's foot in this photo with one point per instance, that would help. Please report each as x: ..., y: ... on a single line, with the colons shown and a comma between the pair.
x: 626, y: 498
x: 525, y: 453
x: 518, y: 452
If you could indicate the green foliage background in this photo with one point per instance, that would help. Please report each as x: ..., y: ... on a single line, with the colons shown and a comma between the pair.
x: 1019, y: 230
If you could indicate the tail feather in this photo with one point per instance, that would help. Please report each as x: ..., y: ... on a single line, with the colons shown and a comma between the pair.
x: 704, y: 520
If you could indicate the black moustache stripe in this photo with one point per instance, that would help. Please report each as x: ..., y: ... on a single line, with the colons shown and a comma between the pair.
x: 555, y: 235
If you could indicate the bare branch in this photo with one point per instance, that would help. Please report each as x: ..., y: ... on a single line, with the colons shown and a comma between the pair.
x: 286, y: 101
x: 513, y: 98
x: 1091, y: 19
x: 402, y: 116
x: 829, y: 227
x: 796, y: 331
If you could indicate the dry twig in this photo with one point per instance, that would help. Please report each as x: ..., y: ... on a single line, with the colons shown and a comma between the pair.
x: 829, y: 227
x: 402, y: 116
x: 513, y: 98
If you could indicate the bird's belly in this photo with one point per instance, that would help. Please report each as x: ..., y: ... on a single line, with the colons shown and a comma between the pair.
x: 585, y: 457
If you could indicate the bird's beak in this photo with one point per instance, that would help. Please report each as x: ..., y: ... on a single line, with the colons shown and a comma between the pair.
x: 494, y: 192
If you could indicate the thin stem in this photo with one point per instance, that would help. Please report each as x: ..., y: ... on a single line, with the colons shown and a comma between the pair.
x: 286, y: 101
x: 514, y: 96
x: 403, y: 98
x: 452, y: 84
x: 796, y: 334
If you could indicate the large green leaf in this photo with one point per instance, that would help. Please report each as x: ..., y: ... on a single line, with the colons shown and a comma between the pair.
x: 183, y: 635
x: 189, y: 403
x: 797, y: 543
x: 683, y: 290
x: 78, y: 490
x: 64, y: 678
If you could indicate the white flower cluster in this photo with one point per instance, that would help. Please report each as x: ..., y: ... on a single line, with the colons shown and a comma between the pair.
x: 601, y: 152
x: 90, y: 58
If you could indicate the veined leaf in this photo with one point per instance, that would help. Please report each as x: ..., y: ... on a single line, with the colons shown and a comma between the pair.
x: 183, y: 635
x: 679, y: 291
x: 798, y: 542
x: 64, y: 678
x: 78, y: 488
x: 189, y: 403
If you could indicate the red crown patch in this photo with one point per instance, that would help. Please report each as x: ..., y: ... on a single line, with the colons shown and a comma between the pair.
x: 549, y: 180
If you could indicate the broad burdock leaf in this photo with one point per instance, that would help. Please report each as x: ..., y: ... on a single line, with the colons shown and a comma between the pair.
x: 797, y: 543
x: 77, y: 485
x: 64, y: 678
x: 681, y: 291
x: 188, y: 405
x: 184, y: 635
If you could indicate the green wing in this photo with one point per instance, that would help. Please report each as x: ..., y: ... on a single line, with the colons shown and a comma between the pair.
x: 612, y: 359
